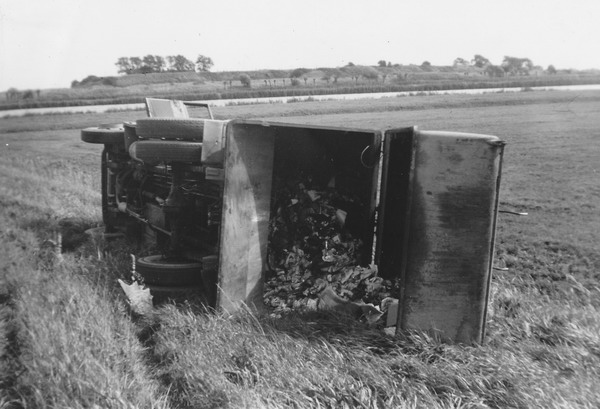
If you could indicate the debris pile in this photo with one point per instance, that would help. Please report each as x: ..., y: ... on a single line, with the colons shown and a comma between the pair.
x: 315, y: 244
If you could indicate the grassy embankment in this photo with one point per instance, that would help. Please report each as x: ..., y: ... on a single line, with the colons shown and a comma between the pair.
x: 67, y: 340
x: 277, y: 83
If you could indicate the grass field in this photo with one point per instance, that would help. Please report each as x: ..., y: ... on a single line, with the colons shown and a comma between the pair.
x: 68, y: 340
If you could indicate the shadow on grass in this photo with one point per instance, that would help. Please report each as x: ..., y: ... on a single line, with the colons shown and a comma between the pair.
x: 347, y: 332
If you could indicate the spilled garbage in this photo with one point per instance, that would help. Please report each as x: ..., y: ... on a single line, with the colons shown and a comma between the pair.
x: 315, y: 252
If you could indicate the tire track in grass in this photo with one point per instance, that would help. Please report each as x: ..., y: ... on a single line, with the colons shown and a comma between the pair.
x: 63, y: 338
x: 150, y: 326
x: 10, y: 351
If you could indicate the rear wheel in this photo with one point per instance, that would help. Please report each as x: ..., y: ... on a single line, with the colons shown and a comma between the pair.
x: 169, y: 271
x: 104, y: 134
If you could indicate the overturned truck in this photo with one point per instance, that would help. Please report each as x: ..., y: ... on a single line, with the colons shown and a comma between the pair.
x: 229, y: 205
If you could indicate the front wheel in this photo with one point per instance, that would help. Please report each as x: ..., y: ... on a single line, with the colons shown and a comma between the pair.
x: 104, y: 134
x: 169, y: 271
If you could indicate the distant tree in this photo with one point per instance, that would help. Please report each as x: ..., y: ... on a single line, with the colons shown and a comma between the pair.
x: 527, y: 66
x: 494, y: 71
x: 352, y: 71
x: 401, y: 77
x: 480, y: 61
x: 135, y: 63
x: 369, y: 73
x: 124, y: 65
x: 516, y: 65
x: 460, y: 62
x: 148, y: 65
x: 13, y: 94
x: 246, y: 80
x: 382, y: 63
x: 170, y: 59
x: 551, y: 70
x: 329, y: 73
x: 298, y: 72
x: 350, y: 64
x: 536, y: 70
x: 357, y: 71
x: 180, y: 63
x: 152, y: 63
x: 426, y: 66
x: 159, y: 63
x: 204, y: 63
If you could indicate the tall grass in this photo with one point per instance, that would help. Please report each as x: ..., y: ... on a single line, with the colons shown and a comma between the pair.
x: 67, y: 340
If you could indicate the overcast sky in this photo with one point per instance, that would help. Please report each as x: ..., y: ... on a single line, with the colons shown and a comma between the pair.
x: 49, y: 43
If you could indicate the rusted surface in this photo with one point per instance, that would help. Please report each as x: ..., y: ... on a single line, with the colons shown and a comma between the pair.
x: 213, y: 142
x: 245, y: 217
x: 451, y: 234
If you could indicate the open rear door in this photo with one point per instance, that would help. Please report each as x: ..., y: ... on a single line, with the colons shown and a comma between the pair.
x: 248, y: 170
x: 438, y: 216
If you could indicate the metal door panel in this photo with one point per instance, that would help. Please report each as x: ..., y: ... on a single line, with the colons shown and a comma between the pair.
x: 451, y: 234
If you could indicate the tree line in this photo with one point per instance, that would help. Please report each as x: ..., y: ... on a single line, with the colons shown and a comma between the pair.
x: 509, y: 66
x: 179, y: 63
x: 156, y: 63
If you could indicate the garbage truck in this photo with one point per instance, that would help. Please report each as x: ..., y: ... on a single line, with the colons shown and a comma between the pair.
x: 213, y: 200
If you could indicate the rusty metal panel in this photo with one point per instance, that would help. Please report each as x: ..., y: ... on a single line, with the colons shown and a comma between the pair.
x: 213, y: 141
x: 245, y: 216
x: 451, y: 234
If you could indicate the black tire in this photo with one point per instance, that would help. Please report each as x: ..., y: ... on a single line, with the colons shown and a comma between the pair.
x: 187, y: 129
x: 158, y: 270
x: 152, y: 151
x: 104, y: 134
